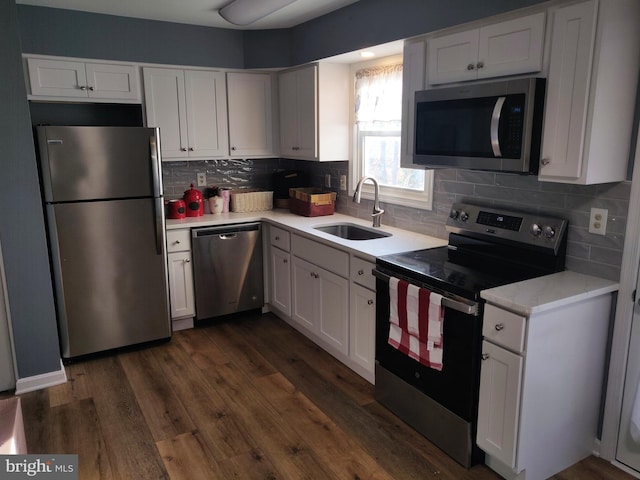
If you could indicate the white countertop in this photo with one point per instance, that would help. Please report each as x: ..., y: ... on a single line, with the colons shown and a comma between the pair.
x: 399, y: 241
x: 548, y: 292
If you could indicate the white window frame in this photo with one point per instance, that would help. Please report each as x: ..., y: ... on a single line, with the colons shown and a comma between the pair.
x: 394, y: 196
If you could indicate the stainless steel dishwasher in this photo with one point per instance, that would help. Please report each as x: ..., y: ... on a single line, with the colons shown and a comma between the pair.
x: 227, y: 269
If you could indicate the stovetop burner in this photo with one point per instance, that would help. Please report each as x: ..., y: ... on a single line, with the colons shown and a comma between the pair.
x: 487, y: 247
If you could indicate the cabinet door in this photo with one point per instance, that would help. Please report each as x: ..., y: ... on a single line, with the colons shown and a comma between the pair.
x: 333, y: 309
x: 57, y: 78
x: 304, y: 287
x: 413, y: 72
x: 307, y: 112
x: 164, y: 94
x: 499, y: 405
x: 362, y: 327
x: 116, y: 82
x: 281, y: 280
x: 250, y: 114
x: 288, y: 99
x: 206, y: 109
x: 511, y: 47
x: 181, y: 293
x: 568, y: 91
x: 453, y: 58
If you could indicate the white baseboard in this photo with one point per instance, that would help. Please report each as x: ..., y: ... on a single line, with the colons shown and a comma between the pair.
x: 44, y: 380
x: 182, y: 324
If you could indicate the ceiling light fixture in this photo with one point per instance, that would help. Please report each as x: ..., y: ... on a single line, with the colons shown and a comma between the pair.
x: 367, y: 54
x: 246, y: 12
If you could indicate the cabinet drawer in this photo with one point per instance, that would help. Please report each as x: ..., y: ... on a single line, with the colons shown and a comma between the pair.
x: 361, y: 273
x: 178, y: 240
x: 329, y: 258
x: 280, y: 238
x: 504, y: 328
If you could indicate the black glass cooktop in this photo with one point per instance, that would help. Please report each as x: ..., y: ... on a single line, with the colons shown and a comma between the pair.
x: 447, y: 270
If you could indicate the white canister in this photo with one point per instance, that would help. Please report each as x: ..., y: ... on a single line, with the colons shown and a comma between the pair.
x: 216, y: 204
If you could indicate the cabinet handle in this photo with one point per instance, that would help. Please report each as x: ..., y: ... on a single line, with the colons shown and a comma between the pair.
x: 184, y: 149
x: 369, y: 302
x: 499, y: 326
x: 177, y: 242
x: 295, y: 148
x: 82, y: 87
x: 485, y: 356
x: 480, y: 65
x: 187, y: 260
x: 360, y: 272
x: 471, y: 66
x: 545, y: 161
x: 277, y: 238
x: 233, y: 148
x: 92, y: 88
x: 285, y: 261
x: 191, y: 149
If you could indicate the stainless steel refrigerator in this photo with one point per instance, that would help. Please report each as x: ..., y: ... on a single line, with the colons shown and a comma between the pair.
x: 102, y: 190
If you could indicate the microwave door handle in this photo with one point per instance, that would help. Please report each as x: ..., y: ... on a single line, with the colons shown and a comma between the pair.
x: 495, y: 123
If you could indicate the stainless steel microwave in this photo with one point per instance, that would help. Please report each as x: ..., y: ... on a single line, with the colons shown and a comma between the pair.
x: 494, y: 126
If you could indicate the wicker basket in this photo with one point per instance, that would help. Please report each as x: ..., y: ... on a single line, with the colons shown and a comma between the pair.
x: 311, y: 202
x: 248, y: 200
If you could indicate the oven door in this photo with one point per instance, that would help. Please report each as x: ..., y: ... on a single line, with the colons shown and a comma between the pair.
x: 456, y: 386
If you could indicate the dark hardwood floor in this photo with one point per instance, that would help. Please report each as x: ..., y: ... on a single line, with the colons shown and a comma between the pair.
x: 248, y: 398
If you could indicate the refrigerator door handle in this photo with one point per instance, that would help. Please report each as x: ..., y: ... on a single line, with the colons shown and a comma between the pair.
x: 159, y: 209
x: 154, y: 144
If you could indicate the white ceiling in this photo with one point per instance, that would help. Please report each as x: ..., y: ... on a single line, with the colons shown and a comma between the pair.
x: 196, y: 12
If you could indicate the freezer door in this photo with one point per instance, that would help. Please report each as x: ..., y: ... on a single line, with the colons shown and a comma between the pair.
x: 89, y: 163
x: 110, y: 279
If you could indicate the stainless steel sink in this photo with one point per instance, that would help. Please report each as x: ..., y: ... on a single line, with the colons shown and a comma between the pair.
x: 351, y: 231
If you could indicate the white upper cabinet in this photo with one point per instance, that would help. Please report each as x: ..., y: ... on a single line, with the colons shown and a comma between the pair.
x: 83, y: 81
x: 190, y: 108
x: 251, y: 126
x: 506, y: 48
x: 314, y: 112
x: 591, y: 92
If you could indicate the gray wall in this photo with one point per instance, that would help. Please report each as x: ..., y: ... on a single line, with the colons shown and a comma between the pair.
x: 52, y: 31
x: 21, y: 218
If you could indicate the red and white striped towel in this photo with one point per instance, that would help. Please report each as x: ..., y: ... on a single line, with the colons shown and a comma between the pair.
x: 415, y: 322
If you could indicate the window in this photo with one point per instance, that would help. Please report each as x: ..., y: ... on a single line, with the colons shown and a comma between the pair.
x: 377, y: 141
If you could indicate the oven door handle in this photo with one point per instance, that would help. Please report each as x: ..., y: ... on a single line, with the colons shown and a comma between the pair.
x: 468, y: 307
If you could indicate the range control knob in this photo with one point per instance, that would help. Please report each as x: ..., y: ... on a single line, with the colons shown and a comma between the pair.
x: 535, y: 230
x: 548, y: 231
x: 464, y: 216
x: 453, y: 213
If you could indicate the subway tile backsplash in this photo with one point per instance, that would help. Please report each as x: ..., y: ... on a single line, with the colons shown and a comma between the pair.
x: 586, y: 253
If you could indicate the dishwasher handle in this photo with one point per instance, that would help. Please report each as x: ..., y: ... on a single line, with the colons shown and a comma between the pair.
x: 225, y: 231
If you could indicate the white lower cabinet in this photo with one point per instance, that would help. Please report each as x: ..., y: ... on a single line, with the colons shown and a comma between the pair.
x: 500, y: 382
x: 180, y: 272
x: 321, y: 303
x: 362, y: 330
x: 280, y: 280
x: 540, y: 386
x: 326, y: 294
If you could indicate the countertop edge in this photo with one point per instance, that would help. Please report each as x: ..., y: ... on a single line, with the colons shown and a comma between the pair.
x: 549, y: 292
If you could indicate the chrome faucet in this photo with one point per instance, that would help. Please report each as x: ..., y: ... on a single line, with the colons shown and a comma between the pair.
x: 377, y: 211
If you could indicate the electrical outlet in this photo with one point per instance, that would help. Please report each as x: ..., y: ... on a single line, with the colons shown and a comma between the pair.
x: 598, y: 221
x: 202, y: 179
x: 327, y: 180
x: 343, y: 182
